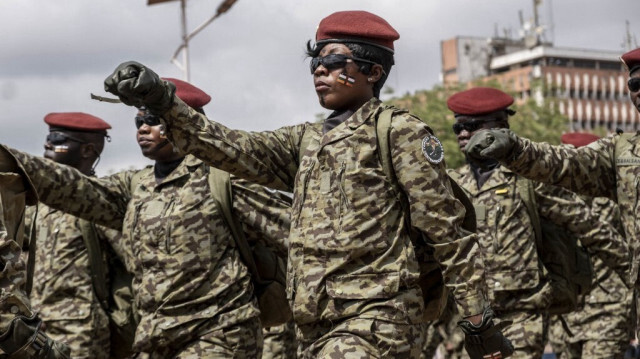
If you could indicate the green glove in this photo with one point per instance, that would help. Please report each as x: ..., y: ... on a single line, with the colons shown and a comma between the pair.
x: 136, y: 85
x: 24, y: 339
x: 497, y: 144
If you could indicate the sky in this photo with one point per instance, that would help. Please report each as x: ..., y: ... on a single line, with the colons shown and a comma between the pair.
x: 251, y: 60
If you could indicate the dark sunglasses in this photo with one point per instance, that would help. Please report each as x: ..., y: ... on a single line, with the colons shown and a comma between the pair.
x: 470, y: 126
x: 334, y: 61
x: 634, y: 84
x: 148, y: 119
x: 58, y: 138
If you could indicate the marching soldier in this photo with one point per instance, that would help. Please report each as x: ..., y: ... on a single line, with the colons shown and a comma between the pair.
x: 609, y: 167
x: 62, y: 288
x: 518, y: 287
x: 353, y: 276
x: 192, y: 292
x: 602, y: 328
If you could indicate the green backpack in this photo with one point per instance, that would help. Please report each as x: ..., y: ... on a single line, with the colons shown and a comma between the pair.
x: 268, y: 270
x: 431, y: 280
x: 112, y: 286
x: 566, y: 264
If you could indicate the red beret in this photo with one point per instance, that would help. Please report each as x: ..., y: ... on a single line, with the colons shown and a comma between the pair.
x: 356, y: 26
x: 77, y: 121
x: 631, y: 60
x: 479, y: 101
x: 190, y: 94
x: 578, y: 139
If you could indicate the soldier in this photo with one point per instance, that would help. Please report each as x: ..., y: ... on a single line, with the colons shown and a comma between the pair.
x: 353, y: 274
x: 192, y: 292
x: 506, y: 229
x: 21, y: 332
x: 608, y: 167
x: 605, y: 324
x: 62, y: 289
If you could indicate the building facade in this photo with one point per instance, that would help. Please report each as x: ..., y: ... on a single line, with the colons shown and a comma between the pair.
x: 590, y: 85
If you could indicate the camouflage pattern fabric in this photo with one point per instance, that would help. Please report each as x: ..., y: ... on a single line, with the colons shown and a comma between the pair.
x: 241, y: 341
x: 62, y: 287
x: 507, y: 238
x: 594, y: 170
x: 361, y: 339
x: 13, y: 299
x: 280, y: 342
x: 349, y: 252
x: 19, y: 326
x: 603, y: 327
x: 444, y: 336
x: 188, y: 276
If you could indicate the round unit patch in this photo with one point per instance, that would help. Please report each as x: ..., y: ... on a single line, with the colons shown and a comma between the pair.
x: 432, y: 149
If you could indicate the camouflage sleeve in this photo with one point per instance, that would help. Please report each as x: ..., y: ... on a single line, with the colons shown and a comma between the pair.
x: 264, y: 213
x: 586, y: 170
x: 269, y: 158
x: 103, y: 201
x: 438, y: 214
x: 568, y: 210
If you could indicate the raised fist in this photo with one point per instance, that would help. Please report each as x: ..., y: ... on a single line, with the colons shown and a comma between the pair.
x: 136, y: 85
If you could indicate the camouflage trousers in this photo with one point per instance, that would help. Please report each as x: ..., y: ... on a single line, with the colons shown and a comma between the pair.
x: 87, y: 337
x: 599, y: 332
x: 280, y: 342
x: 361, y: 339
x: 241, y: 341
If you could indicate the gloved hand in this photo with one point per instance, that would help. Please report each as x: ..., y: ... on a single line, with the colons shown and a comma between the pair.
x: 136, y: 85
x: 497, y: 144
x: 24, y: 340
x: 485, y: 341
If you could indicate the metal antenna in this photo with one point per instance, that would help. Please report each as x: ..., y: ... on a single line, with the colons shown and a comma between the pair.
x: 184, y: 47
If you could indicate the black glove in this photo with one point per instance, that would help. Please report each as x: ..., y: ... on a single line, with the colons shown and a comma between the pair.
x: 485, y: 341
x: 137, y: 85
x: 24, y: 339
x: 497, y: 144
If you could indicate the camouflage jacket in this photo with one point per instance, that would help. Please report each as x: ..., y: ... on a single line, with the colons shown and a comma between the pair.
x: 349, y: 251
x: 507, y: 237
x: 188, y: 276
x: 607, y: 310
x: 594, y: 170
x: 13, y: 299
x: 62, y: 290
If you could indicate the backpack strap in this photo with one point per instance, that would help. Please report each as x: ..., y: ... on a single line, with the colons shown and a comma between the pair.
x: 97, y: 264
x: 220, y: 187
x: 383, y: 130
x: 31, y: 260
x: 524, y: 186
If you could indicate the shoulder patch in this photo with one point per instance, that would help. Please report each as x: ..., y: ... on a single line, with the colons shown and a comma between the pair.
x: 432, y: 149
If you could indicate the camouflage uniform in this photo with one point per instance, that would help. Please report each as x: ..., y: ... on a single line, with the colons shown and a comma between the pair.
x: 15, y: 310
x: 62, y: 285
x: 192, y: 292
x: 280, y: 342
x: 594, y: 170
x: 352, y: 268
x: 603, y: 327
x: 508, y: 244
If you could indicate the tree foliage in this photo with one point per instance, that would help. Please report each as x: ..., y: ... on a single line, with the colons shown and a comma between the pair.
x: 539, y: 123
